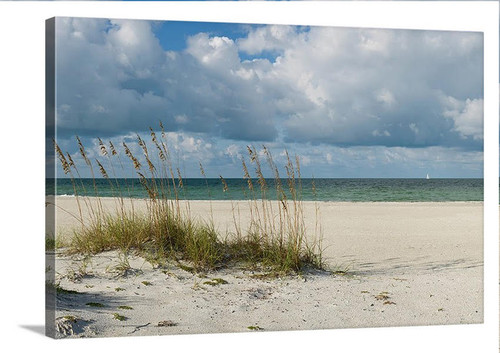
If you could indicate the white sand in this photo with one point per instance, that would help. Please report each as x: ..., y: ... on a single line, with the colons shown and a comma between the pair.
x: 408, y: 264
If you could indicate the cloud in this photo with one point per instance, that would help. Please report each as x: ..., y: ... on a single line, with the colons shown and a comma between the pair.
x: 467, y: 117
x: 115, y: 76
x: 361, y: 81
x: 272, y: 38
x: 385, y: 97
x: 278, y: 85
x: 330, y: 85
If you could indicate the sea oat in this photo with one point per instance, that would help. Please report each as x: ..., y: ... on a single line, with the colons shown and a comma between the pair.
x: 71, y: 162
x: 155, y: 141
x: 162, y: 130
x: 202, y: 170
x: 112, y: 148
x: 251, y: 153
x: 153, y: 135
x: 246, y: 175
x: 224, y: 184
x: 129, y: 154
x: 82, y: 151
x: 104, y: 152
x: 102, y: 170
x: 150, y: 165
x: 60, y: 154
x: 144, y: 182
x: 179, y: 175
x: 142, y: 144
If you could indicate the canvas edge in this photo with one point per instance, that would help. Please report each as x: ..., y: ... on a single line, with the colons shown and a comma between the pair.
x: 50, y: 96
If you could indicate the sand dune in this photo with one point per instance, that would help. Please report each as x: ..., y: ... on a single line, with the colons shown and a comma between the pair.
x: 408, y: 264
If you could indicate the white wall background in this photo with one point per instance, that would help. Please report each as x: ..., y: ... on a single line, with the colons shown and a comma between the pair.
x: 22, y: 35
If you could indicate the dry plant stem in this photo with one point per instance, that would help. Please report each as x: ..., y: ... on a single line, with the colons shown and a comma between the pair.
x: 117, y: 155
x: 252, y: 202
x: 89, y: 164
x: 67, y: 170
x: 237, y: 227
x: 202, y: 171
x: 104, y: 152
x: 275, y: 238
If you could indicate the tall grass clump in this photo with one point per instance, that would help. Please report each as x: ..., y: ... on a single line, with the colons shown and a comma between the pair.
x: 276, y: 237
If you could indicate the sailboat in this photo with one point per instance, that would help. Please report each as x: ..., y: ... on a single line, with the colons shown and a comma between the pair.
x: 427, y: 177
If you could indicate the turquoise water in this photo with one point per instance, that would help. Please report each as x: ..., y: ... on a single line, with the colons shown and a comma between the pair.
x: 359, y: 190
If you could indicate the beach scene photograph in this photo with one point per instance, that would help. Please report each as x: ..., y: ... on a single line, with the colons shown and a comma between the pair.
x: 229, y: 177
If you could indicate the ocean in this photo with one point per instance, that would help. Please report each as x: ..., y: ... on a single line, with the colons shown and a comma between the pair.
x: 354, y: 190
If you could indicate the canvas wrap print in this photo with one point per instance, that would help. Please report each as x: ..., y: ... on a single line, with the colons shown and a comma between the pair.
x: 213, y: 177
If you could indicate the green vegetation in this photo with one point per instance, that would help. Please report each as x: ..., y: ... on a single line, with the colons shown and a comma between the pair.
x: 255, y: 328
x: 123, y: 267
x: 186, y: 268
x: 276, y: 238
x: 51, y: 286
x: 215, y: 282
x: 119, y: 317
x: 95, y: 305
x: 70, y: 318
x: 125, y: 307
x: 50, y: 244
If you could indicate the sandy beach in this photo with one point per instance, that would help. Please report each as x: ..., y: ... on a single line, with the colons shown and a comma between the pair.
x: 407, y: 264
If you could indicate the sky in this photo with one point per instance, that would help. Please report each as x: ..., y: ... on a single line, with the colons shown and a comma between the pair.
x: 349, y: 102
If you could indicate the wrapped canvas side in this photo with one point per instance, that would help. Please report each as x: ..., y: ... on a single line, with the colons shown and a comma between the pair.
x: 50, y: 292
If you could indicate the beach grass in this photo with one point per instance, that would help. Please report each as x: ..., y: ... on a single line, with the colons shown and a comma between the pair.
x: 276, y: 238
x: 50, y: 243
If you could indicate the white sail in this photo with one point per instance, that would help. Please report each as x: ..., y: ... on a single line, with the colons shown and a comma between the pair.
x: 427, y: 176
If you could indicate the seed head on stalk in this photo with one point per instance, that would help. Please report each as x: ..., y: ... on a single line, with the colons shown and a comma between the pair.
x: 104, y: 151
x: 102, y: 170
x: 224, y: 184
x: 202, y: 170
x: 112, y: 148
x: 129, y: 154
x: 144, y: 182
x: 82, y: 151
x: 155, y: 141
x: 71, y: 163
x: 60, y: 155
x: 162, y: 130
x: 179, y: 175
x: 247, y: 175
